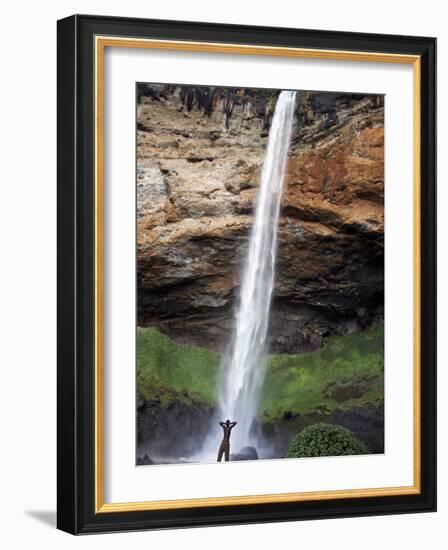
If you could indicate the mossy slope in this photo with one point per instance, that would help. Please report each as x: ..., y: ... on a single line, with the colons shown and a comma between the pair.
x: 169, y: 370
x: 348, y: 372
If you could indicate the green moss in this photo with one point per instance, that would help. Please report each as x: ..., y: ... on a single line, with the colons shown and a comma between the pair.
x: 308, y: 381
x: 347, y: 372
x: 325, y: 440
x: 166, y: 369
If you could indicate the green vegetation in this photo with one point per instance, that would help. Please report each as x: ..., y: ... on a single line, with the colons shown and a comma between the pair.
x: 347, y: 372
x: 325, y: 440
x: 166, y: 369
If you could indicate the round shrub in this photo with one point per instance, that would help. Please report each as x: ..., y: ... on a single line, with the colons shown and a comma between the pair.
x: 325, y: 440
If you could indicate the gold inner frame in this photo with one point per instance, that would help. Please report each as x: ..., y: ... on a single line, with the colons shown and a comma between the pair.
x: 101, y: 42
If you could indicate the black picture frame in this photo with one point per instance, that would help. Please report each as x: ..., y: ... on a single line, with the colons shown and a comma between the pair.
x: 76, y: 286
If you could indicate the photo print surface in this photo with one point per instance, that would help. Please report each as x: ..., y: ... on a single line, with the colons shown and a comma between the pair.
x: 260, y: 274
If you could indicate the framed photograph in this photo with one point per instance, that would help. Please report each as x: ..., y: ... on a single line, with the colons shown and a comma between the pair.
x: 246, y: 274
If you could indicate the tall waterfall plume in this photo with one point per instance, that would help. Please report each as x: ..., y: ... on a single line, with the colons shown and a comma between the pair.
x: 243, y: 368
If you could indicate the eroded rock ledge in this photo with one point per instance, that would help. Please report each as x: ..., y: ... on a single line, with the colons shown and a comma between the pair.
x: 197, y: 176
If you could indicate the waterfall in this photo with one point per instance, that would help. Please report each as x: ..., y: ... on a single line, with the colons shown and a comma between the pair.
x: 243, y: 368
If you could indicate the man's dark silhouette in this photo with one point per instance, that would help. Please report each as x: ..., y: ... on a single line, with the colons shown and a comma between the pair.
x: 224, y: 448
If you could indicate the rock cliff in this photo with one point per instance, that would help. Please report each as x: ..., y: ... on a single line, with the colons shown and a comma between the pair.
x: 199, y: 157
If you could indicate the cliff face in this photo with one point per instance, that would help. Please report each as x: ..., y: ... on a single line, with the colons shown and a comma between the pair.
x: 198, y: 170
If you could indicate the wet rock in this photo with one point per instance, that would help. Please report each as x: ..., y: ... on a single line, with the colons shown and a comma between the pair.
x: 349, y: 388
x: 367, y: 423
x: 144, y: 460
x: 246, y: 453
x: 141, y: 402
x: 172, y: 426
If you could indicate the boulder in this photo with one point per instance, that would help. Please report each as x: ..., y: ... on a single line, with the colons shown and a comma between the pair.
x: 246, y: 453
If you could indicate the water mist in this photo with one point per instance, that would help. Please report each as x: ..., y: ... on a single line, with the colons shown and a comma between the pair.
x: 243, y: 367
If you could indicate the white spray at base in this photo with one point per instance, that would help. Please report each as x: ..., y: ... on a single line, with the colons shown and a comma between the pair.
x: 243, y: 368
